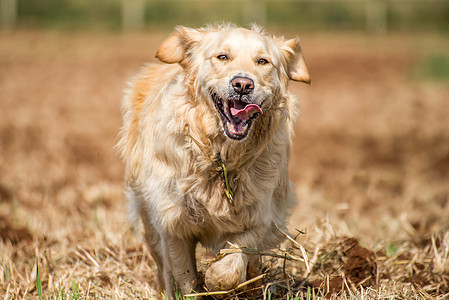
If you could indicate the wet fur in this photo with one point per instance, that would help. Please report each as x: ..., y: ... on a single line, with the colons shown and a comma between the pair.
x: 170, y: 140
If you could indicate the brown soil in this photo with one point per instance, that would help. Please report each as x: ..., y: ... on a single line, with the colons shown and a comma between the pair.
x: 13, y: 234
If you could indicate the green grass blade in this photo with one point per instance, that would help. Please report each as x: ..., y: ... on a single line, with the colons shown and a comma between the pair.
x: 38, y: 279
x: 6, y: 273
x: 75, y: 289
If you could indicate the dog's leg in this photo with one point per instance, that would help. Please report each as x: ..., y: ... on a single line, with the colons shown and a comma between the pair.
x: 175, y: 259
x: 154, y: 244
x: 152, y: 237
x: 227, y: 273
x: 231, y: 270
x: 180, y: 253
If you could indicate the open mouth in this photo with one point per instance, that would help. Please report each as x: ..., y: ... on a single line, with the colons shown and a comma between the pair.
x: 236, y: 115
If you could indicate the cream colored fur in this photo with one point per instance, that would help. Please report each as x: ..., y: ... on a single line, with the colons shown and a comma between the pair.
x: 172, y: 134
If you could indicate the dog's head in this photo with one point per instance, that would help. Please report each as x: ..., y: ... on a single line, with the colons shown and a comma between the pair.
x: 239, y: 72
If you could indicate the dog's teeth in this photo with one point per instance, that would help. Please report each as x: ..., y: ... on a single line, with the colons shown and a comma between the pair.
x: 233, y: 130
x: 229, y: 127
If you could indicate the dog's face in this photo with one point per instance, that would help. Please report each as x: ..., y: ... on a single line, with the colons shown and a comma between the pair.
x: 238, y: 72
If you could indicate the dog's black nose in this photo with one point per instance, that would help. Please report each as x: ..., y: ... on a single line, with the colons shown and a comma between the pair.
x: 242, y: 85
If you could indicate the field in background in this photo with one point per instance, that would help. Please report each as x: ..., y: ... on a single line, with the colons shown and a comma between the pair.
x: 360, y: 15
x: 370, y: 162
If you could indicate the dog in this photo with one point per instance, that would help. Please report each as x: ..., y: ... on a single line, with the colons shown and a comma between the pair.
x: 206, y: 138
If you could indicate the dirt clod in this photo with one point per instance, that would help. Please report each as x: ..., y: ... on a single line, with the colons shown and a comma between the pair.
x: 360, y: 263
x: 15, y: 235
x: 344, y: 259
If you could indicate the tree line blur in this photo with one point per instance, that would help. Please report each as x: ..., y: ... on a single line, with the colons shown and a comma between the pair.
x: 351, y: 15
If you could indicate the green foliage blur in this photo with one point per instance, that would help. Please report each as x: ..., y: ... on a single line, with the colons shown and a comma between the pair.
x: 307, y: 15
x: 69, y: 14
x: 433, y: 67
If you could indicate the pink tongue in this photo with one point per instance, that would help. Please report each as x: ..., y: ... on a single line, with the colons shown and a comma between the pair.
x: 247, y: 112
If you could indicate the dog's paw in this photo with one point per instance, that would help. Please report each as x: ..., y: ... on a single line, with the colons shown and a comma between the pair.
x: 226, y: 273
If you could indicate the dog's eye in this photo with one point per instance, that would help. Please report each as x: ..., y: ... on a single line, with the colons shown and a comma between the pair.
x: 222, y: 57
x: 262, y: 61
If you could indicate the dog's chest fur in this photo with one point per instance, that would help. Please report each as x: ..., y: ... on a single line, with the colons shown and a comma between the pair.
x: 199, y: 201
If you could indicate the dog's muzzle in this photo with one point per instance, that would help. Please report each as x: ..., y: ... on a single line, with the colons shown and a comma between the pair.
x: 236, y: 115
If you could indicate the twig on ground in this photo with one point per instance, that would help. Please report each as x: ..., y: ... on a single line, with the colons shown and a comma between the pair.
x: 303, y: 251
x: 228, y: 291
x: 251, y: 251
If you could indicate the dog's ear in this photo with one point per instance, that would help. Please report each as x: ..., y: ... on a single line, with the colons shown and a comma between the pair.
x: 296, y: 66
x: 175, y: 48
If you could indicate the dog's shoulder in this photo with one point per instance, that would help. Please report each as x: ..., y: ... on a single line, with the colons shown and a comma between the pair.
x: 151, y: 77
x: 141, y: 96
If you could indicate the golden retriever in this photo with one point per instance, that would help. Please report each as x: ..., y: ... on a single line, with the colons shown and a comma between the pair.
x: 206, y: 140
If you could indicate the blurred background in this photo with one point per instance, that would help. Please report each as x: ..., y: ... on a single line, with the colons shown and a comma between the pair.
x: 370, y: 157
x: 359, y: 15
